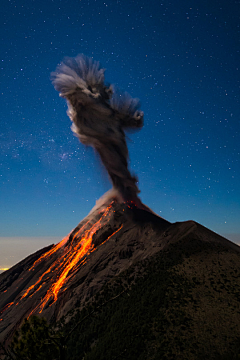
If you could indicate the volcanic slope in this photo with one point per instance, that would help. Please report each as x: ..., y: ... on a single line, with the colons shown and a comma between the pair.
x: 182, y: 303
x: 181, y: 286
x: 50, y: 281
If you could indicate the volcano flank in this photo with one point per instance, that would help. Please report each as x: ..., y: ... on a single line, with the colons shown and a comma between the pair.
x: 104, y: 244
x: 182, y: 275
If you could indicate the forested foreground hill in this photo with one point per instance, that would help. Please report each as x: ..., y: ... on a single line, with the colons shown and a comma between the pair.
x: 181, y: 303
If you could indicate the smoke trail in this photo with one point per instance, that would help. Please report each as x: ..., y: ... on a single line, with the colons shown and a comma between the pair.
x: 99, y: 115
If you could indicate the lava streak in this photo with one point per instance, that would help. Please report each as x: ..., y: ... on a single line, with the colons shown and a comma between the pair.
x: 70, y: 254
x: 50, y: 252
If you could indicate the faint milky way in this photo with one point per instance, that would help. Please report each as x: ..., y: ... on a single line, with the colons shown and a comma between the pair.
x: 181, y: 59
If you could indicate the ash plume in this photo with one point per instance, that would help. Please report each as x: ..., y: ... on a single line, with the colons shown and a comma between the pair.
x: 100, y: 114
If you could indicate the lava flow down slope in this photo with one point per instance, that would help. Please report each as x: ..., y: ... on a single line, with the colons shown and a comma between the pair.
x: 107, y: 243
x: 53, y: 279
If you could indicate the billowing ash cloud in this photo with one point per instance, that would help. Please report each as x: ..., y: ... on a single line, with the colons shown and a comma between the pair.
x: 99, y: 115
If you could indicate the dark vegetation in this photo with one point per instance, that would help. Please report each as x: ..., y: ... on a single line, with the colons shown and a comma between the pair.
x: 182, y: 303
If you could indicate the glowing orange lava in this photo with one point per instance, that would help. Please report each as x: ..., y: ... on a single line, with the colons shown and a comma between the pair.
x: 71, y: 255
x: 50, y: 252
x: 6, y: 307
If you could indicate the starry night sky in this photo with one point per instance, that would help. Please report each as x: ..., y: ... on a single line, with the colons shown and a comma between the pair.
x: 180, y: 58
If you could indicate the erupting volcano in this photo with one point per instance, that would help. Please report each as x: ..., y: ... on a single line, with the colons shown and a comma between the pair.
x: 122, y: 236
x: 99, y: 114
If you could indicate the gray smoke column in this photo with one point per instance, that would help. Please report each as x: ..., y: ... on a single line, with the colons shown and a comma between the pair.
x: 100, y: 114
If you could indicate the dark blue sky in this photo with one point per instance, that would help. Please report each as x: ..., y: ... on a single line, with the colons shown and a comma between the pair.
x: 180, y: 58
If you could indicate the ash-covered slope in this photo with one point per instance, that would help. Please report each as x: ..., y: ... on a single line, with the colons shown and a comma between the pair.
x: 181, y: 303
x: 106, y: 243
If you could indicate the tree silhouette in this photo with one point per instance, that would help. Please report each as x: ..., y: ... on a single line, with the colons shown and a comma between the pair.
x: 37, y: 339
